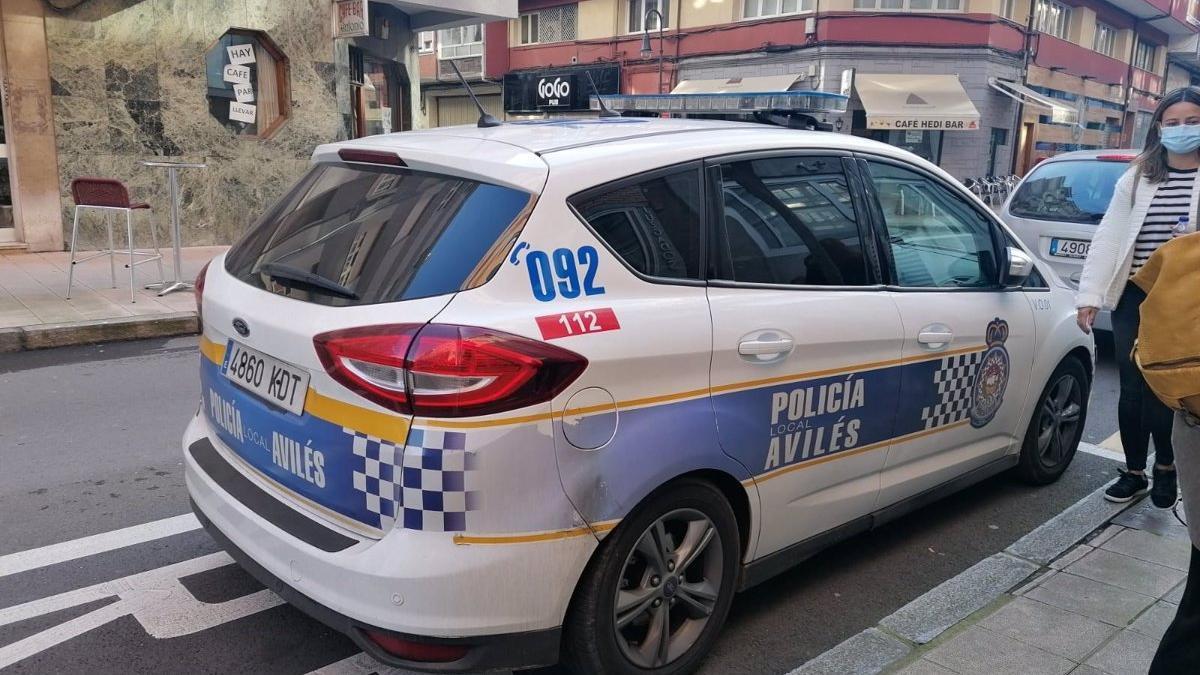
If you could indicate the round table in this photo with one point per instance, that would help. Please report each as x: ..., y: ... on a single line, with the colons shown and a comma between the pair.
x: 178, y: 284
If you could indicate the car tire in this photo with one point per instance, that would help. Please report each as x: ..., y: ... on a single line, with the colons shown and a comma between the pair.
x: 1056, y: 424
x: 596, y: 641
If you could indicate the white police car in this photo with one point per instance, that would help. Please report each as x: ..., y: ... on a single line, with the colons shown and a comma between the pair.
x: 554, y: 391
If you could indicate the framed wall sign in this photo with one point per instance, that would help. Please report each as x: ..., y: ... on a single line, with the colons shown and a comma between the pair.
x: 350, y: 19
x: 247, y: 88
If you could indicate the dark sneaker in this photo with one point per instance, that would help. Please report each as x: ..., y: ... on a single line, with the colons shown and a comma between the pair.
x: 1166, y: 488
x: 1127, y: 487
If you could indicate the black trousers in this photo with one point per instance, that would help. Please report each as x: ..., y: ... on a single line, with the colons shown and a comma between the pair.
x: 1140, y: 415
x: 1179, y: 651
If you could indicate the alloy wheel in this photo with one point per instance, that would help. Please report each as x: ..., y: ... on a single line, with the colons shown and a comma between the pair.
x: 1060, y: 416
x: 668, y: 588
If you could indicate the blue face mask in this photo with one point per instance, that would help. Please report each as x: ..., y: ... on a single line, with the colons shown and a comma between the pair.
x: 1181, y: 139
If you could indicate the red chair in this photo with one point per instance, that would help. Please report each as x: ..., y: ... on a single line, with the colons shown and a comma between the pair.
x: 107, y: 194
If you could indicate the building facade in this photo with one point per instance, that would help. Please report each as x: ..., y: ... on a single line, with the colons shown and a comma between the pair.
x: 1034, y: 77
x: 95, y: 87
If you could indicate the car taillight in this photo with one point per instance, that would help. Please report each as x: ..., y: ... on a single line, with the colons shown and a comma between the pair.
x: 416, y: 651
x: 1116, y: 158
x: 370, y: 361
x: 199, y: 289
x: 442, y: 370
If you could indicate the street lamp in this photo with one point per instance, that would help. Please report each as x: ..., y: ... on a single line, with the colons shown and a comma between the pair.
x: 647, y: 52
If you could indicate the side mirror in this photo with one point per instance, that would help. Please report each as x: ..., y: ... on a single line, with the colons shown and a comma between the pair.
x: 1020, y: 266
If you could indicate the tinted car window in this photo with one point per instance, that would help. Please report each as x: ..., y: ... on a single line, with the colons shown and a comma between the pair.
x: 937, y: 239
x: 790, y: 220
x: 1076, y: 191
x: 377, y: 234
x: 654, y: 225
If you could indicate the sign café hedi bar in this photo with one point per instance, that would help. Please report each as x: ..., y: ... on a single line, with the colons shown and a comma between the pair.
x: 924, y: 124
x: 925, y: 117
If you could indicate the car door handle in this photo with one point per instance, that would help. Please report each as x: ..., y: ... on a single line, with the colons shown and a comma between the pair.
x: 935, y: 336
x: 765, y: 347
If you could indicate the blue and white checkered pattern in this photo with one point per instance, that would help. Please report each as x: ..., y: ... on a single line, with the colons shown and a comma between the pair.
x: 954, y: 378
x: 378, y: 476
x: 434, y: 495
x: 423, y: 485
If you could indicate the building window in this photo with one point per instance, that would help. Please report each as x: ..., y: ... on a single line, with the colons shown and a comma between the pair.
x: 757, y: 9
x: 425, y: 42
x: 910, y: 5
x: 1052, y: 18
x: 637, y: 14
x: 553, y: 24
x: 1008, y: 9
x: 460, y: 41
x: 1106, y: 39
x: 247, y: 83
x: 1143, y: 55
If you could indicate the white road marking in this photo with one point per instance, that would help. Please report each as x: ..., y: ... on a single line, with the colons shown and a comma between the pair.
x: 23, y: 649
x: 1090, y: 449
x: 32, y: 559
x: 1113, y: 442
x: 156, y: 598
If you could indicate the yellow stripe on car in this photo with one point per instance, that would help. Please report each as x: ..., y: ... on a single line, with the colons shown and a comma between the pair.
x: 392, y: 428
x: 533, y: 537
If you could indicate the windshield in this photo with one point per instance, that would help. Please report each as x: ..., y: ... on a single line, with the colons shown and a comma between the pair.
x: 364, y: 234
x: 1076, y: 191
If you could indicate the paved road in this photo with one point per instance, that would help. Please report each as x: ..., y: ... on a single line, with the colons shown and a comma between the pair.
x: 89, y: 444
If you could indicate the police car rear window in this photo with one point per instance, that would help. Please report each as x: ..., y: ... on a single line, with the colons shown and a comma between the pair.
x: 363, y: 234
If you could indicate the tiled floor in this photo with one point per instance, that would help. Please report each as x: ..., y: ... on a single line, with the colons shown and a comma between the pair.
x: 33, y: 288
x: 1100, y: 609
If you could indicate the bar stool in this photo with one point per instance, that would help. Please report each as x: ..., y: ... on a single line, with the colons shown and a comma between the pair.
x: 107, y: 194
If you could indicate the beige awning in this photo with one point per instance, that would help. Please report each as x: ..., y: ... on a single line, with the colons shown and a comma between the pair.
x: 916, y: 102
x: 737, y: 85
x: 1059, y: 112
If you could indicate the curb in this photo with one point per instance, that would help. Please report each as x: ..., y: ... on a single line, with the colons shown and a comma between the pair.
x: 945, y: 605
x: 50, y: 335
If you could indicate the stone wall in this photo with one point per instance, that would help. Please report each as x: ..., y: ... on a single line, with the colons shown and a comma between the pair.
x: 128, y: 80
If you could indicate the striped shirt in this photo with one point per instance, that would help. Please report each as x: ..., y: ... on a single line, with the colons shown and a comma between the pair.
x: 1171, y: 202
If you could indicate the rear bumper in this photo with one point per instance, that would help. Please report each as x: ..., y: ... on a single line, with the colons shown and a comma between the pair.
x: 504, y: 601
x: 490, y: 652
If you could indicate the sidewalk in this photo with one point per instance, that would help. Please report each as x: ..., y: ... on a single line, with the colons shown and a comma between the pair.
x: 34, y: 311
x: 1063, y: 599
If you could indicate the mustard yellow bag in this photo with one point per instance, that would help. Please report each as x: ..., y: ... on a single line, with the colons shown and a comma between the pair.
x: 1168, y: 346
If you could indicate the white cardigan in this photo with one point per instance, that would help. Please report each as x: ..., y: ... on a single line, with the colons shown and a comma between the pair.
x: 1106, y: 269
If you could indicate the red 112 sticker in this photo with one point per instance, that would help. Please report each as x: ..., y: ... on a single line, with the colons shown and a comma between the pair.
x: 555, y: 326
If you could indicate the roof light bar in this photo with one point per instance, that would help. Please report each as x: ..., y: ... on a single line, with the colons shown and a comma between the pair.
x: 780, y: 101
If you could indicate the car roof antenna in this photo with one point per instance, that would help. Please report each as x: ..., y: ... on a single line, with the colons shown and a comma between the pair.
x: 485, y: 119
x: 604, y: 111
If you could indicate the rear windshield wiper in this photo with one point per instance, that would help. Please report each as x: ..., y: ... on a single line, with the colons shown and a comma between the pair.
x: 289, y: 276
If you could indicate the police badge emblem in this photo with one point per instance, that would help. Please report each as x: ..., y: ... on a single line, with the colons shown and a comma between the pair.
x: 991, y: 379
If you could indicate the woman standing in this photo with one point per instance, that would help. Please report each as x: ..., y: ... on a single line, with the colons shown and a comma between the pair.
x: 1153, y: 200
